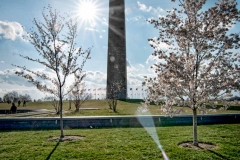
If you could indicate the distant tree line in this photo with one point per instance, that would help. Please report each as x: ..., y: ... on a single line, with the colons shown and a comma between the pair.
x: 15, y: 96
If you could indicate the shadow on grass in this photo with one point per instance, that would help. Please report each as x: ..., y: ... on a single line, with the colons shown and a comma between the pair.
x: 188, y: 144
x: 49, y: 156
x: 138, y: 101
x: 219, y: 155
x: 233, y: 108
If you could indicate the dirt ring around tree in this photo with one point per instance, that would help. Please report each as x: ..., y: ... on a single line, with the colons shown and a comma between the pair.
x: 65, y: 138
x: 201, y: 145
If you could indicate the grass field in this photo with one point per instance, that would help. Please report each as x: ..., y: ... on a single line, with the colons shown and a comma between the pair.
x: 128, y: 107
x: 121, y: 143
x: 118, y: 143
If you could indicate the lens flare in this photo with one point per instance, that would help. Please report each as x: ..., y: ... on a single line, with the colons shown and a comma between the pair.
x: 146, y: 120
x: 87, y: 10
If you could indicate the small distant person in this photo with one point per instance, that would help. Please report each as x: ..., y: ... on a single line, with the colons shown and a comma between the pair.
x: 24, y: 103
x: 13, y: 109
x: 19, y: 102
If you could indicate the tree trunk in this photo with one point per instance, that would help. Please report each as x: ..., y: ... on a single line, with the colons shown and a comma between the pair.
x: 115, y: 105
x: 195, y: 139
x: 70, y: 104
x: 114, y: 109
x: 61, y: 119
x: 109, y: 103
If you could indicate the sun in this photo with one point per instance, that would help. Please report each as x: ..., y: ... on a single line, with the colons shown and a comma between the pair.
x: 87, y: 10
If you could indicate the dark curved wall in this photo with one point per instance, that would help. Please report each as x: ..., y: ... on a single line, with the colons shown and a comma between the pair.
x: 111, y: 121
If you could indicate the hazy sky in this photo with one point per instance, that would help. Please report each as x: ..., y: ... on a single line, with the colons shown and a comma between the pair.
x: 16, y: 19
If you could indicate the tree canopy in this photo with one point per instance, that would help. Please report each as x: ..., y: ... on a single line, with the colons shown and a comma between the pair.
x: 55, y: 41
x: 201, y: 64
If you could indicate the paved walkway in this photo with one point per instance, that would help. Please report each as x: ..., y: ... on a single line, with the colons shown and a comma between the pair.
x: 38, y: 113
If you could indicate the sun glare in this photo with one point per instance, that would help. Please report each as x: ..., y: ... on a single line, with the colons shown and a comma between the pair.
x: 87, y: 10
x: 89, y: 15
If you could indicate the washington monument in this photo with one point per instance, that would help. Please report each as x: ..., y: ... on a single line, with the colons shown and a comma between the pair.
x: 116, y: 67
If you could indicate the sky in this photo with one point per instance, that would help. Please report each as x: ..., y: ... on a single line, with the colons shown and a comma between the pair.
x: 16, y: 20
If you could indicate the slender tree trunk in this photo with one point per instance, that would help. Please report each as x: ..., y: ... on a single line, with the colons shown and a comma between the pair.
x: 77, y: 107
x: 195, y: 139
x: 115, y: 105
x: 110, y: 104
x: 70, y: 104
x: 114, y: 108
x: 61, y: 119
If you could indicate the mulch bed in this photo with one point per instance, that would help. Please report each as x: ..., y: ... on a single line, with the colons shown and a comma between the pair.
x: 201, y: 145
x: 65, y: 138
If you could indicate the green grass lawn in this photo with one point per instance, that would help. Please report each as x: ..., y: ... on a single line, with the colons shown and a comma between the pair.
x: 121, y: 143
x: 128, y: 107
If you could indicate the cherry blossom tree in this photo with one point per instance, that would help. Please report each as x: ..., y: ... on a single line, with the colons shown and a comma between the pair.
x: 54, y: 102
x: 54, y: 40
x: 115, y: 90
x: 201, y: 64
x: 79, y: 96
